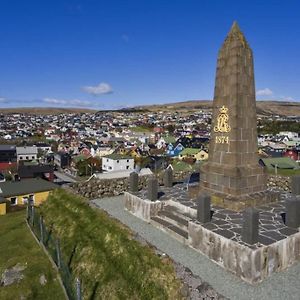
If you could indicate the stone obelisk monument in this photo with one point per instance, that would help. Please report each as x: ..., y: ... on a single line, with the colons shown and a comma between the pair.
x: 232, y: 175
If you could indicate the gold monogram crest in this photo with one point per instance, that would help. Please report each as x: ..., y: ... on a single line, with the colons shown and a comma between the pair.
x: 222, y: 121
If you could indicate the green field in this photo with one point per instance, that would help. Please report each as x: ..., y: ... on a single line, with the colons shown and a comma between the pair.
x: 103, y: 254
x: 18, y: 246
x: 284, y: 172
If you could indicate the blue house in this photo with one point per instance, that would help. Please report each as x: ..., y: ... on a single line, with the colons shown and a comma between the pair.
x: 174, y: 150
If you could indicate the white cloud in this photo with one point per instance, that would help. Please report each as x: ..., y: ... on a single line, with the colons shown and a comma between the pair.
x: 285, y: 98
x: 72, y: 102
x: 264, y: 92
x: 100, y: 89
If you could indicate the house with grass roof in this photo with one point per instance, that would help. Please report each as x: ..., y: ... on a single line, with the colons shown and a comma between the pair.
x: 165, y: 140
x: 279, y: 163
x: 194, y: 153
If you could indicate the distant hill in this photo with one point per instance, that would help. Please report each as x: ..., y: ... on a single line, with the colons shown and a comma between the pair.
x: 267, y: 107
x: 45, y: 110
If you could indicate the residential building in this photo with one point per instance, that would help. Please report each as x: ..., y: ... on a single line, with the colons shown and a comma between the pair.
x: 62, y: 160
x: 194, y: 153
x: 117, y: 162
x: 34, y: 171
x: 27, y: 153
x: 20, y: 192
x: 8, y: 156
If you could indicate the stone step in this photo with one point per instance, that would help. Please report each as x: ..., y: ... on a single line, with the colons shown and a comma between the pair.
x: 174, y: 218
x: 184, y: 210
x: 176, y: 232
x: 177, y: 211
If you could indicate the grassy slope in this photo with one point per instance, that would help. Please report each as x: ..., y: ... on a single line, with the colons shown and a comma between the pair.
x: 18, y: 246
x: 109, y: 263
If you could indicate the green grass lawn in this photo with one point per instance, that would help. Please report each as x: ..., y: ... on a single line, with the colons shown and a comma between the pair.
x: 104, y: 255
x: 284, y: 172
x: 18, y: 246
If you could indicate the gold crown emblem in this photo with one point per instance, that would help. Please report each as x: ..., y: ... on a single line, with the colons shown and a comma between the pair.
x: 223, y: 110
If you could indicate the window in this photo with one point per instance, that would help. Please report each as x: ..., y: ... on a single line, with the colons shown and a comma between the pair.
x: 118, y: 161
x: 127, y: 167
x: 32, y: 157
x: 13, y: 201
x: 107, y: 160
x: 21, y: 157
x: 127, y: 160
x: 27, y: 157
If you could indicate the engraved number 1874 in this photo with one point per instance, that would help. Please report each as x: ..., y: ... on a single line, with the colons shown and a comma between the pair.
x: 222, y: 139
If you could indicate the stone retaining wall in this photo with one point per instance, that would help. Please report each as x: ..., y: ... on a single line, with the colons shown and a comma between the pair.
x: 99, y: 188
x: 252, y: 266
x: 280, y: 183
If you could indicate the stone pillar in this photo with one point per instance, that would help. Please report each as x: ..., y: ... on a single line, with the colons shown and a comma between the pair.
x: 232, y: 171
x: 203, y: 208
x: 296, y: 185
x: 133, y: 182
x: 292, y: 218
x: 250, y: 226
x: 152, y: 189
x: 168, y: 177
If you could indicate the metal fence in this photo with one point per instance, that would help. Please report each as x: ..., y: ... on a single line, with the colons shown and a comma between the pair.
x: 52, y: 245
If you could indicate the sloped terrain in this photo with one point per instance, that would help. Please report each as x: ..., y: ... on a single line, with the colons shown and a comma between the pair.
x: 104, y: 255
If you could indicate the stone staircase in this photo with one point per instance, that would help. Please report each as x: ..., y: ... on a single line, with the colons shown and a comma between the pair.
x: 171, y: 220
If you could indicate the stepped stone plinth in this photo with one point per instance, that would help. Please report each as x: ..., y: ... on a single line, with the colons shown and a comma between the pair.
x: 232, y: 174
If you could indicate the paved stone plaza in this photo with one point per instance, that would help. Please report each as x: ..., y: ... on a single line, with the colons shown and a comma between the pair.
x: 228, y: 223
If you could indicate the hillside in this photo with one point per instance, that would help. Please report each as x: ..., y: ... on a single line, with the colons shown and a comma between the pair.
x: 104, y: 255
x: 263, y: 107
x: 45, y: 110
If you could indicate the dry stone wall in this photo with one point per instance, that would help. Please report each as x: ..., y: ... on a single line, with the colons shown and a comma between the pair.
x: 279, y: 183
x: 99, y: 188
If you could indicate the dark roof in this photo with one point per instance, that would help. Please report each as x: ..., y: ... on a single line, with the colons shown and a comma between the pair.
x: 25, y: 186
x: 7, y: 148
x: 31, y: 170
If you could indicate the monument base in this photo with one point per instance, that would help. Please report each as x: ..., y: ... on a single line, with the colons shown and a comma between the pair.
x: 239, y: 203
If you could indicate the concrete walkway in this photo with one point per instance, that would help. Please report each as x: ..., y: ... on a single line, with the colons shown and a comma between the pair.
x: 283, y: 285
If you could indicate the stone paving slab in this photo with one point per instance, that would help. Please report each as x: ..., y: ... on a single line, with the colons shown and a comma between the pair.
x: 228, y: 223
x: 283, y: 285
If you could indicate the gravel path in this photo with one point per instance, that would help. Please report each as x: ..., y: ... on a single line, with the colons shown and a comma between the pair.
x: 283, y: 285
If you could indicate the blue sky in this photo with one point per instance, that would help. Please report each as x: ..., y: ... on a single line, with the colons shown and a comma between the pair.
x: 111, y: 54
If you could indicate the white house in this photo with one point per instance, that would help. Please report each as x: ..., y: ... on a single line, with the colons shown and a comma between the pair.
x: 117, y: 162
x: 26, y: 153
